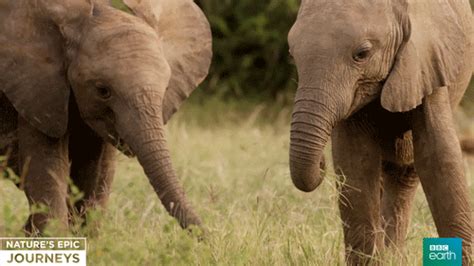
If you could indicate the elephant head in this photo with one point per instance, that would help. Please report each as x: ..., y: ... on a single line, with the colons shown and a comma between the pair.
x: 349, y: 54
x: 128, y: 74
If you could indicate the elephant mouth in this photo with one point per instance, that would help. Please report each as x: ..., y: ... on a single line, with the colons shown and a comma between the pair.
x: 365, y: 93
x: 124, y: 148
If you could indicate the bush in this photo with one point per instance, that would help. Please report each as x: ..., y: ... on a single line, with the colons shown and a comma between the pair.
x: 250, y: 47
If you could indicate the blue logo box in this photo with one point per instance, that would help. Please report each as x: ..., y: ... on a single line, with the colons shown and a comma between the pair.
x: 442, y: 252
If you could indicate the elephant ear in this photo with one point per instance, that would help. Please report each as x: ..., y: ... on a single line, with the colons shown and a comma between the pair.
x: 32, y: 65
x: 428, y: 58
x: 187, y: 45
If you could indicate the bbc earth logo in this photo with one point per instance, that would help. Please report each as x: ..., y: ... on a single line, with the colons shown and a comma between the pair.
x: 442, y: 252
x: 43, y: 251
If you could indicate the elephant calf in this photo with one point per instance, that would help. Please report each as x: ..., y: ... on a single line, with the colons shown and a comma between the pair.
x: 78, y: 78
x: 381, y: 78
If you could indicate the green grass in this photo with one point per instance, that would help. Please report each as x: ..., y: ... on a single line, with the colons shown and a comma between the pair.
x: 234, y: 167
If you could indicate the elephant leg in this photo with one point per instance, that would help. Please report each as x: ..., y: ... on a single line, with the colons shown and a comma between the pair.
x: 11, y: 155
x: 439, y: 163
x: 399, y: 188
x: 357, y: 157
x: 44, y: 166
x: 92, y: 169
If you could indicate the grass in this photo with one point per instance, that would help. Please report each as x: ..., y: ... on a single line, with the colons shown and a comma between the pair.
x: 234, y: 167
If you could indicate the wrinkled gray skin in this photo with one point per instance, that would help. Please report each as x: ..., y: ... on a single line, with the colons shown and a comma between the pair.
x: 79, y: 77
x: 382, y: 78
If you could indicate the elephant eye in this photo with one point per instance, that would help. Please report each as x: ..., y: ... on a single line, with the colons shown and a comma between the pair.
x: 362, y: 53
x: 103, y: 91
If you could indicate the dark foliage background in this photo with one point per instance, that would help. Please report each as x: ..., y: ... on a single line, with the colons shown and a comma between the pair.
x: 250, y: 47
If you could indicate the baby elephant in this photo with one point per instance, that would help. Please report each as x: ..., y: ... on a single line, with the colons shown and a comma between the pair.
x: 382, y: 78
x: 78, y: 78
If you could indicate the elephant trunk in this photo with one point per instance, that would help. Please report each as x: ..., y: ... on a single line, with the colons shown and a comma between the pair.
x: 312, y: 122
x: 146, y: 137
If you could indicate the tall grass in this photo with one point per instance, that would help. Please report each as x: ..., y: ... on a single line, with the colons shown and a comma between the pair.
x: 234, y: 166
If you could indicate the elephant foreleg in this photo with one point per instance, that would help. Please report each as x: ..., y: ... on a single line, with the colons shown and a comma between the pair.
x: 399, y: 188
x: 92, y: 170
x: 44, y: 168
x: 357, y: 157
x: 439, y: 163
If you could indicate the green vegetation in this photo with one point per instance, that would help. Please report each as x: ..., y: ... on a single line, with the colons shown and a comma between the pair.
x: 251, y: 56
x: 233, y: 161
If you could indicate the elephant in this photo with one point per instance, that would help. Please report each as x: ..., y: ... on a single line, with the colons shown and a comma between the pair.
x: 380, y: 80
x: 80, y: 79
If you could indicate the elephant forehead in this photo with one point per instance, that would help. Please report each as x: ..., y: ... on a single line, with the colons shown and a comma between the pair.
x: 118, y: 33
x: 121, y: 39
x: 127, y: 56
x: 331, y: 24
x: 344, y: 7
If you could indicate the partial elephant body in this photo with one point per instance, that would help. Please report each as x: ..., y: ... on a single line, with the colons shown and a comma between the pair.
x: 7, y: 125
x: 381, y: 79
x: 448, y: 40
x: 8, y: 132
x: 79, y: 77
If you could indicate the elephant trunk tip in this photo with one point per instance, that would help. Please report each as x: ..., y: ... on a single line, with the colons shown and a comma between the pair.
x: 307, y: 178
x: 190, y: 222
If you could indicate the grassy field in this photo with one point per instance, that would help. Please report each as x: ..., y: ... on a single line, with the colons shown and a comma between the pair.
x: 234, y: 166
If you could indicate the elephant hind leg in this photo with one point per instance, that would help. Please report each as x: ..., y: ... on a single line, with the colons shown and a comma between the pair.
x: 93, y: 178
x: 92, y: 170
x: 10, y: 160
x: 399, y: 188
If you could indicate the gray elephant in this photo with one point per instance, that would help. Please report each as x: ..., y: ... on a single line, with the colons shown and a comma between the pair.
x: 381, y: 78
x: 79, y: 78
